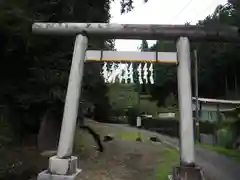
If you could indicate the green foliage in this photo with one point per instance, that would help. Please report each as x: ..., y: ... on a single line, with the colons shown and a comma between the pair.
x: 127, y: 5
x: 122, y: 96
x: 171, y: 126
x: 207, y: 127
x: 34, y: 73
x: 234, y: 154
x: 132, y: 114
x: 144, y: 46
x: 171, y: 101
x: 165, y: 74
x: 218, y: 62
x: 235, y: 127
x: 228, y: 133
x: 164, y: 126
x: 171, y: 158
x: 6, y: 131
x: 34, y: 69
x: 149, y: 107
x: 225, y: 137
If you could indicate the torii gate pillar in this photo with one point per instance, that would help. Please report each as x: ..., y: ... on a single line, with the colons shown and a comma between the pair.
x: 63, y: 166
x: 187, y: 168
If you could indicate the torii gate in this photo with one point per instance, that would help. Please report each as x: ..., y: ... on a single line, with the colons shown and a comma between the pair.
x: 64, y: 165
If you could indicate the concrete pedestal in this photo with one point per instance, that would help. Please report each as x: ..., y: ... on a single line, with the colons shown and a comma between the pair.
x: 61, y: 169
x: 45, y: 175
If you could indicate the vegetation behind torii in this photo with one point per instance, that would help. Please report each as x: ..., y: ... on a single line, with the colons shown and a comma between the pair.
x: 34, y: 69
x: 218, y: 73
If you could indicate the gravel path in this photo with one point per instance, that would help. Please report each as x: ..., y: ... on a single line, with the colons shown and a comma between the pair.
x: 215, y: 166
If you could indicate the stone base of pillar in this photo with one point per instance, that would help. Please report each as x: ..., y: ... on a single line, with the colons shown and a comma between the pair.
x: 187, y: 172
x: 61, y: 169
x: 45, y: 175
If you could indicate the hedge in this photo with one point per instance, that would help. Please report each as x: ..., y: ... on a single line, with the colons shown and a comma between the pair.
x: 163, y: 126
x: 170, y: 127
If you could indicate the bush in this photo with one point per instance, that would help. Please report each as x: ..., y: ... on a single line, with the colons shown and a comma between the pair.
x: 101, y: 113
x: 6, y: 131
x: 171, y: 126
x: 225, y: 137
x: 235, y: 127
x: 165, y: 126
x: 132, y: 114
x: 118, y: 120
x: 207, y: 127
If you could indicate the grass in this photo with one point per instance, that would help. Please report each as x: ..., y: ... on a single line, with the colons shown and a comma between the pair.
x: 117, y: 133
x: 83, y: 143
x: 234, y: 154
x: 170, y: 159
x: 132, y: 136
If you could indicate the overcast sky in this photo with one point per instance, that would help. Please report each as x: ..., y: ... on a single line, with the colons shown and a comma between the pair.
x: 161, y: 12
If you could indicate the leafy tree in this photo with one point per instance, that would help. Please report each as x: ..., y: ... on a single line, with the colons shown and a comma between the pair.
x: 144, y: 46
x: 165, y: 74
x: 122, y: 96
x: 127, y: 5
x: 218, y: 62
x: 34, y: 70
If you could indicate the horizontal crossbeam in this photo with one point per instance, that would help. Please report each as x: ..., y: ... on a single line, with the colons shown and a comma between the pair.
x: 131, y: 56
x: 140, y: 31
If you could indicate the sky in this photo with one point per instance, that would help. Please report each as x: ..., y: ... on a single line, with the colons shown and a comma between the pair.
x: 161, y: 12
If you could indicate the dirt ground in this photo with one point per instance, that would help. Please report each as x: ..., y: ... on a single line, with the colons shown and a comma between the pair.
x: 122, y: 161
x: 124, y: 158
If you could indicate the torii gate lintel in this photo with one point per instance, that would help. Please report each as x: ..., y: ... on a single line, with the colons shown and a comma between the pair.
x: 220, y: 33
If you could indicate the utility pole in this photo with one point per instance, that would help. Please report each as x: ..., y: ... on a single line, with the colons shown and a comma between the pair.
x: 139, y: 120
x: 196, y: 94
